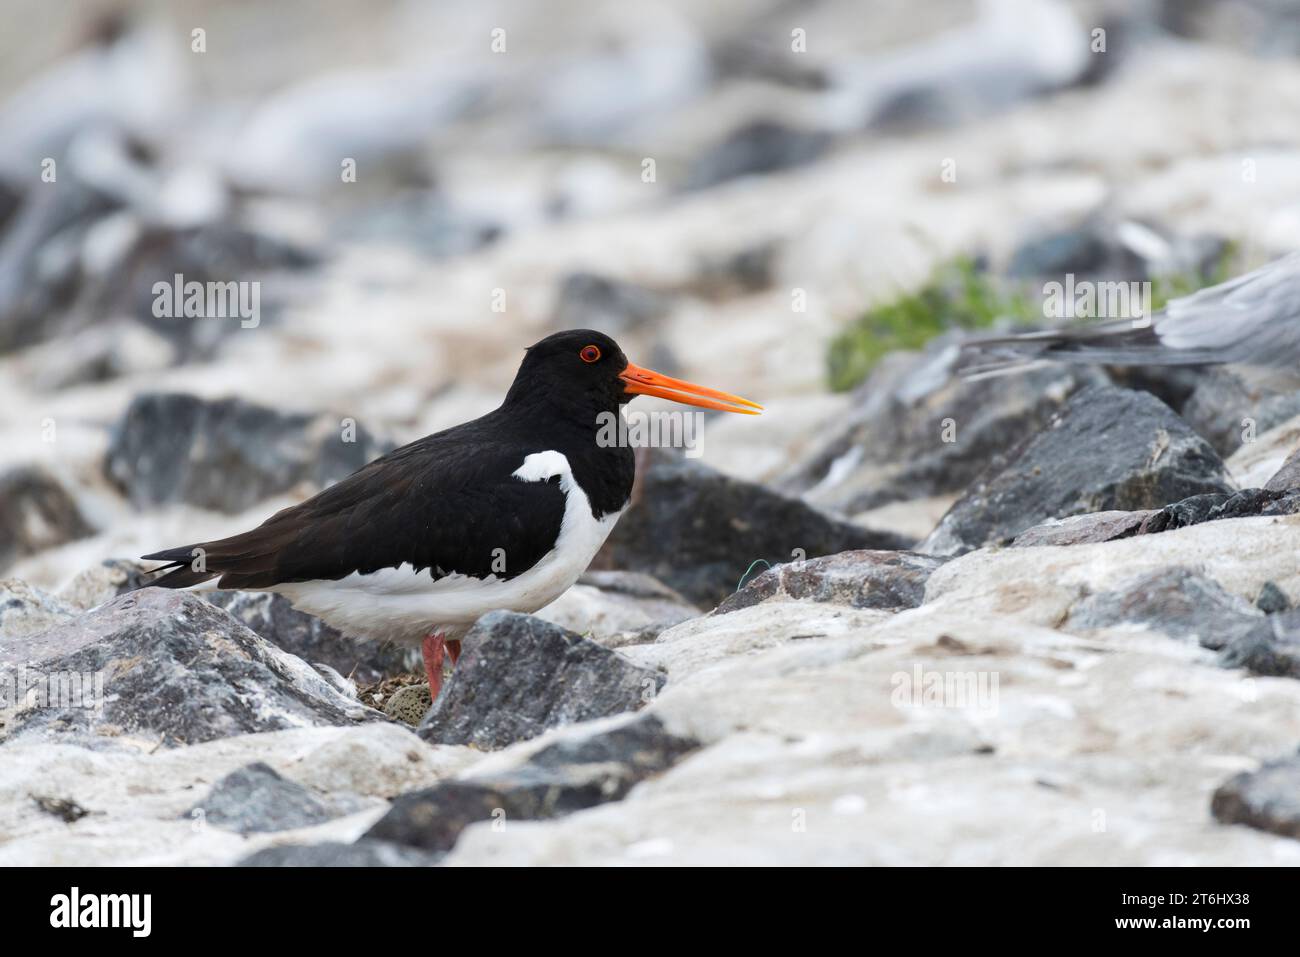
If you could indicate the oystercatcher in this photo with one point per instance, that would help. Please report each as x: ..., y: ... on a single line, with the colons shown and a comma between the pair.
x: 504, y: 512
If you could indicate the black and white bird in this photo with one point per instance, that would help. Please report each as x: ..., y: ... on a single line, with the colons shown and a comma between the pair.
x: 504, y: 512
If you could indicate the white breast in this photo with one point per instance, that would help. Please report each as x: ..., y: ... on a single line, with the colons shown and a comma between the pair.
x: 402, y: 604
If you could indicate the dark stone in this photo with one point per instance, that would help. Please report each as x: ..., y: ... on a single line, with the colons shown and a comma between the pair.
x: 611, y: 306
x: 1084, y: 251
x: 301, y: 634
x: 891, y: 446
x: 227, y: 454
x: 1108, y: 449
x: 890, y: 581
x: 363, y: 853
x: 759, y: 147
x: 1271, y: 650
x: 1272, y: 599
x: 1226, y: 402
x: 698, y: 530
x: 49, y: 226
x: 742, y: 273
x: 1267, y: 799
x: 1211, y: 507
x: 1178, y: 602
x: 1288, y: 476
x: 520, y: 676
x: 65, y: 809
x: 567, y: 776
x: 255, y: 799
x: 174, y: 667
x: 36, y: 512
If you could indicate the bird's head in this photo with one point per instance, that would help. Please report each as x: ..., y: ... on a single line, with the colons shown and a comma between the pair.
x: 585, y: 368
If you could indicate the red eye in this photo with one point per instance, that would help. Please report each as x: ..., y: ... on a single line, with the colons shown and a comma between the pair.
x: 589, y: 353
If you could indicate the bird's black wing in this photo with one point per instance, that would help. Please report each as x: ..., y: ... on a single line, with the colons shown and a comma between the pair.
x: 447, y: 503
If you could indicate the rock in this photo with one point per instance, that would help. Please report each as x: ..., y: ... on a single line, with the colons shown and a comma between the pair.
x: 606, y: 604
x: 906, y: 440
x: 1178, y: 602
x: 520, y: 676
x: 1255, y: 464
x: 363, y: 853
x: 759, y: 147
x: 1228, y: 405
x: 36, y: 512
x: 578, y: 771
x: 1083, y: 529
x: 256, y: 799
x: 276, y: 620
x: 1272, y: 599
x: 1215, y: 506
x: 1267, y: 799
x: 104, y: 582
x: 1087, y: 250
x: 409, y: 705
x: 698, y: 530
x: 612, y: 306
x: 26, y: 611
x: 890, y: 581
x: 742, y: 273
x: 169, y: 667
x: 227, y: 454
x: 1271, y: 650
x: 1107, y: 449
x: 1288, y: 476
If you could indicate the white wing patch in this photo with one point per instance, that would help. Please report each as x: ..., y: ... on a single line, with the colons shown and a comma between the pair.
x: 541, y: 466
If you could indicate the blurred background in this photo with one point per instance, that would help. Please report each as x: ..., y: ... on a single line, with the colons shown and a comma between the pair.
x: 768, y: 197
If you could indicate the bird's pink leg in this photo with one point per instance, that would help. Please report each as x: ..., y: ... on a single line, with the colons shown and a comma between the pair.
x: 453, y: 649
x: 432, y: 648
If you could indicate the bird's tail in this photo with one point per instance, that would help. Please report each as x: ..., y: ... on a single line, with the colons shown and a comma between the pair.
x: 1119, y: 343
x: 186, y: 566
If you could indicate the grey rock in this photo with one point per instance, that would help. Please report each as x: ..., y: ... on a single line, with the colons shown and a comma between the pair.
x: 1272, y: 599
x: 36, y: 512
x: 227, y: 454
x: 890, y: 581
x: 1226, y: 401
x: 698, y: 530
x: 1178, y: 602
x: 173, y: 667
x: 1272, y: 651
x: 1213, y: 506
x: 26, y: 610
x: 363, y: 853
x: 1267, y: 799
x: 1085, y: 250
x: 104, y: 582
x: 254, y: 799
x: 891, y: 447
x: 1083, y: 529
x: 304, y: 635
x: 1288, y: 476
x: 520, y: 676
x: 572, y: 774
x: 750, y: 270
x: 759, y: 147
x: 1108, y: 449
x: 612, y: 306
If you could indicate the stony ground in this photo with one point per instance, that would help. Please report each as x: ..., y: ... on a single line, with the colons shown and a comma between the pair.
x: 1062, y: 631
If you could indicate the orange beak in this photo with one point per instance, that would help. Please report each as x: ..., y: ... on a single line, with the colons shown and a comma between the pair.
x: 646, y: 382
